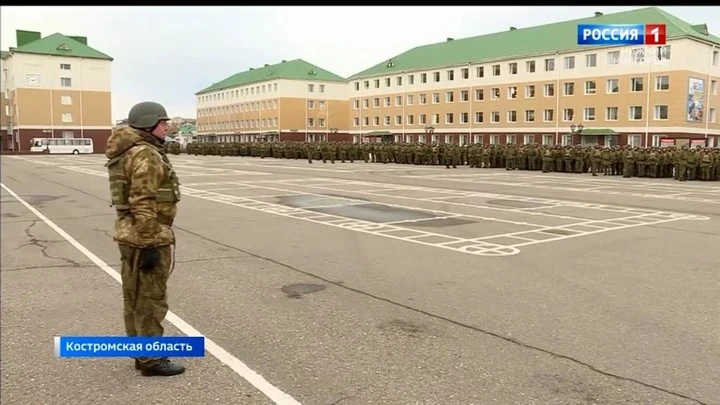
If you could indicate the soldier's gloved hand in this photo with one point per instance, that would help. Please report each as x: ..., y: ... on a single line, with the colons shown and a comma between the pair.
x: 149, y: 259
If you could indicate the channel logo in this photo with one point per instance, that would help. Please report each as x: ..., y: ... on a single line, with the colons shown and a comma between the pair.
x: 621, y: 34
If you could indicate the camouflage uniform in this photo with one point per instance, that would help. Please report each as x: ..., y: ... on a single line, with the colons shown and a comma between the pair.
x: 145, y: 192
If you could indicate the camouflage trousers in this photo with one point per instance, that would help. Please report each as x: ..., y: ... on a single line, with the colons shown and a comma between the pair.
x: 144, y: 295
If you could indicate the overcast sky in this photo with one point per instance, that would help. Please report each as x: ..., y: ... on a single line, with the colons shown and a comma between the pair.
x: 166, y: 54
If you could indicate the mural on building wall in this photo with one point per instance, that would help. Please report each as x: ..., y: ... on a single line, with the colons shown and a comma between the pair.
x: 696, y: 98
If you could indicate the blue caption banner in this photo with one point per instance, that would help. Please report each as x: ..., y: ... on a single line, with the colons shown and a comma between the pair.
x: 611, y: 34
x: 123, y: 346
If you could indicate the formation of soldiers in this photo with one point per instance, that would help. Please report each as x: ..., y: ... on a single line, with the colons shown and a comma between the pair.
x: 683, y: 163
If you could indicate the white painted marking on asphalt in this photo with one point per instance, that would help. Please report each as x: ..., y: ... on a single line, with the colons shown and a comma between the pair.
x: 275, y: 394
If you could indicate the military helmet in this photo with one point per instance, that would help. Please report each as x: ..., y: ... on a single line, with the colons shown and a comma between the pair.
x: 146, y: 115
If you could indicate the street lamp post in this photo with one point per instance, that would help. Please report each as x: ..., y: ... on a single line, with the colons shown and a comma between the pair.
x: 576, y: 130
x: 429, y: 131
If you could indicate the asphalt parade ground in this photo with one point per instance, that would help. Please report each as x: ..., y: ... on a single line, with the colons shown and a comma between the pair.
x: 361, y: 283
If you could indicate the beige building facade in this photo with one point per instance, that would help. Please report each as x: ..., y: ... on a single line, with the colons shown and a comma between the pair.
x: 299, y: 102
x: 55, y: 87
x: 626, y: 95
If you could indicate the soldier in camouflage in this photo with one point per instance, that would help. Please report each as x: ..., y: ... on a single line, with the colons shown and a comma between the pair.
x: 145, y: 192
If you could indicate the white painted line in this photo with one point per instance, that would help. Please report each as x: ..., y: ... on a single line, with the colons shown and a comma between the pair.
x: 275, y: 394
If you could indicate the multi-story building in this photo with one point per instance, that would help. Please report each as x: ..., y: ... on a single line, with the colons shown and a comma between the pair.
x: 537, y: 85
x: 55, y: 87
x: 291, y: 100
x: 5, y: 141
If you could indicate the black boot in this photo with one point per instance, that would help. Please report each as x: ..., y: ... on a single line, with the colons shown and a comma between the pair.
x: 163, y: 368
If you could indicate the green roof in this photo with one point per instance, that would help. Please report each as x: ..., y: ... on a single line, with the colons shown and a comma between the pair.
x: 60, y: 45
x: 296, y: 69
x: 516, y: 43
x: 598, y: 131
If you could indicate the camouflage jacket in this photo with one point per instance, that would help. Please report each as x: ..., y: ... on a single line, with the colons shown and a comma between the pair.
x: 144, y: 189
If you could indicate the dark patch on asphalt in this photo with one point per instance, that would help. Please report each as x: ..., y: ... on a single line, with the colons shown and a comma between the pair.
x: 9, y: 215
x: 353, y: 208
x: 559, y: 232
x: 403, y: 327
x: 296, y: 291
x: 514, y: 204
x: 40, y: 199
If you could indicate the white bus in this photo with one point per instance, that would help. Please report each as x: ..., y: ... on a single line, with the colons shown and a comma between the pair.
x: 73, y: 146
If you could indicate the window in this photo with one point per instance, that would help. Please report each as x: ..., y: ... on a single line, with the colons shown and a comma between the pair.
x: 422, y: 118
x: 387, y: 120
x: 480, y: 71
x: 65, y: 82
x: 638, y: 55
x: 398, y: 100
x: 410, y: 119
x: 449, y: 118
x: 662, y: 83
x: 613, y: 58
x: 591, y: 60
x: 377, y: 83
x: 366, y: 121
x: 549, y: 90
x: 529, y: 115
x: 451, y: 75
x: 66, y: 100
x: 366, y: 103
x: 464, y: 118
x: 68, y: 134
x: 512, y: 68
x: 549, y: 65
x: 530, y: 91
x: 465, y: 73
x: 356, y: 122
x: 67, y: 117
x: 496, y: 70
x: 410, y: 99
x: 64, y: 66
x: 435, y: 98
x: 311, y: 104
x: 357, y: 86
x: 549, y: 115
x: 568, y: 114
x: 547, y: 140
x: 495, y: 93
x: 356, y: 104
x: 386, y: 100
x: 611, y: 114
x: 512, y: 92
x: 636, y: 84
x: 366, y: 83
x: 436, y: 76
x: 569, y: 89
x: 387, y: 82
x: 494, y: 139
x: 411, y: 79
x: 311, y: 88
x: 436, y: 118
x: 511, y: 139
x: 321, y: 122
x: 495, y: 117
x: 423, y: 98
x: 636, y: 113
x: 612, y: 86
x: 635, y: 140
x: 450, y: 97
x: 423, y: 77
x: 661, y: 112
x: 512, y: 116
x: 589, y: 114
x: 464, y: 95
x: 376, y: 102
x: 321, y: 104
x: 398, y: 120
x: 479, y: 95
x: 322, y: 88
x: 569, y: 62
x: 530, y: 66
x: 590, y: 87
x: 479, y: 119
